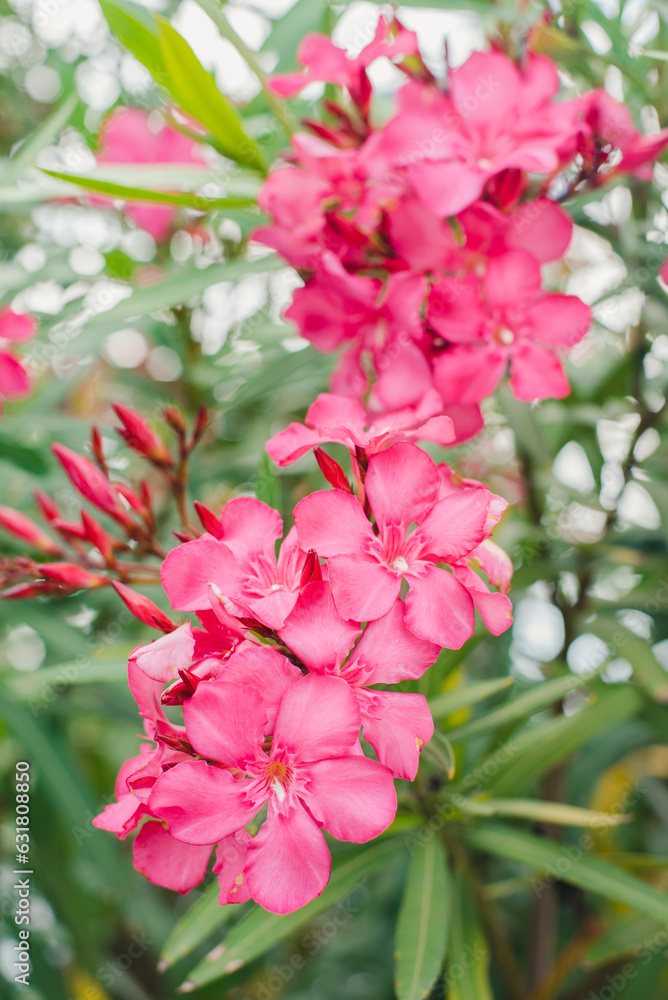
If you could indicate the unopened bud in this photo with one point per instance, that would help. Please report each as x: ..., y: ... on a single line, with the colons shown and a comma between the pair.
x: 332, y: 471
x: 90, y: 482
x: 143, y: 608
x: 21, y: 526
x: 312, y: 571
x: 25, y: 590
x: 175, y: 420
x: 97, y: 536
x: 71, y: 576
x: 140, y: 437
x: 209, y: 520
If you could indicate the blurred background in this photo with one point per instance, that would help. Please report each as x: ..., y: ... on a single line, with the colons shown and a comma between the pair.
x: 124, y: 319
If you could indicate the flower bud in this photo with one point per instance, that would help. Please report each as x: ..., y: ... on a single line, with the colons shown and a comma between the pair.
x: 209, y: 520
x: 18, y: 524
x: 144, y: 609
x: 90, y: 482
x: 97, y: 536
x: 332, y: 471
x: 312, y: 571
x: 48, y: 506
x: 71, y: 576
x: 140, y: 437
x: 175, y: 420
x: 25, y: 590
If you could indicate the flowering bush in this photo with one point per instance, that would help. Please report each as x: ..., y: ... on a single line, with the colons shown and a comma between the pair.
x: 327, y: 650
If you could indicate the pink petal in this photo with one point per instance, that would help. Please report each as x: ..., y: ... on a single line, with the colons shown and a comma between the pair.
x: 511, y: 277
x: 317, y: 718
x: 288, y: 860
x: 447, y: 188
x: 540, y: 227
x: 332, y: 411
x: 250, y: 526
x: 14, y: 381
x: 146, y: 692
x: 231, y: 857
x: 495, y: 610
x: 289, y: 445
x: 454, y: 526
x: 404, y: 375
x: 456, y: 311
x: 316, y: 632
x: 169, y: 862
x: 397, y: 724
x: 162, y: 659
x: 362, y: 587
x: 353, y: 798
x: 439, y: 609
x: 287, y: 84
x: 190, y: 566
x: 16, y: 326
x: 388, y: 652
x: 465, y: 374
x: 561, y: 320
x: 226, y: 722
x: 331, y: 522
x: 273, y: 609
x: 536, y: 373
x: 485, y: 89
x: 496, y: 563
x: 440, y: 430
x: 200, y: 803
x: 401, y: 484
x: 120, y: 817
x: 265, y: 669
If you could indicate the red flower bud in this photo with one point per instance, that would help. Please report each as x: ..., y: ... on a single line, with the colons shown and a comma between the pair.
x: 49, y: 507
x: 24, y: 590
x: 180, y: 690
x: 90, y: 482
x: 18, y: 524
x: 98, y: 450
x: 209, y: 520
x: 71, y: 576
x: 144, y: 609
x: 97, y: 536
x: 135, y: 502
x: 140, y: 437
x: 312, y: 570
x: 71, y: 528
x: 175, y: 420
x: 201, y: 424
x: 332, y: 471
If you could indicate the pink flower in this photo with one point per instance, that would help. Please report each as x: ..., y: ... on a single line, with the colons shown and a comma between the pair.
x: 15, y: 328
x: 608, y: 126
x: 397, y: 724
x: 511, y: 320
x: 312, y: 777
x: 344, y: 420
x: 495, y: 117
x: 366, y: 569
x: 324, y: 61
x: 241, y: 562
x: 127, y: 136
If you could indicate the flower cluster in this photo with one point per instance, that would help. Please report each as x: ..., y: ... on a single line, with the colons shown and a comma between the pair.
x: 279, y: 673
x: 421, y: 240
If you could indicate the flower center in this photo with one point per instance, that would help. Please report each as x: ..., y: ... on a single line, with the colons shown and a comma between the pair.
x: 277, y: 775
x: 400, y: 564
x: 275, y: 586
x: 484, y: 163
x: 504, y: 335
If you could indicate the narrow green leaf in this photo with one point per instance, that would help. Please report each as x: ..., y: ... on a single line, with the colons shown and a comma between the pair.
x: 49, y: 130
x: 197, y: 94
x: 195, y: 926
x: 624, y: 935
x: 467, y: 970
x: 186, y: 199
x: 469, y: 694
x: 22, y: 455
x: 569, y: 863
x: 542, y: 812
x: 261, y: 930
x: 137, y: 31
x: 648, y: 671
x: 422, y: 928
x: 533, y: 701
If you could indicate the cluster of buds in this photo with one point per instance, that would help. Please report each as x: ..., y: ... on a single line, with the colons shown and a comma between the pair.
x: 86, y: 554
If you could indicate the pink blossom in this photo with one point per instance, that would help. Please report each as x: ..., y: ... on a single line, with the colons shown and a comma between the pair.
x: 510, y: 319
x: 128, y: 136
x: 241, y: 562
x: 366, y: 569
x: 312, y: 777
x: 15, y: 328
x: 397, y: 724
x: 345, y: 421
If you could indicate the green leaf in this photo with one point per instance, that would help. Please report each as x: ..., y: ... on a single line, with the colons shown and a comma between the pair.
x: 185, y: 199
x: 533, y: 701
x: 569, y: 863
x: 22, y: 455
x: 195, y: 926
x: 422, y: 929
x: 469, y: 694
x: 261, y: 930
x: 637, y: 651
x: 467, y: 972
x: 49, y: 130
x: 137, y: 31
x: 177, y: 288
x: 267, y: 483
x: 541, y: 812
x: 624, y: 935
x: 197, y: 94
